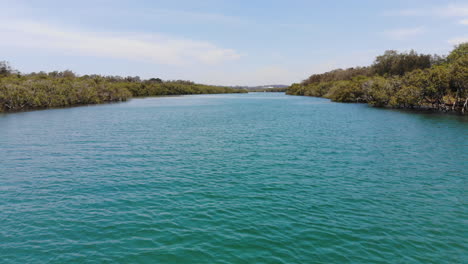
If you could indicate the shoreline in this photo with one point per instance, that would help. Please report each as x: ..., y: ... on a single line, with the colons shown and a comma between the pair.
x: 417, y: 110
x: 97, y: 104
x: 421, y: 109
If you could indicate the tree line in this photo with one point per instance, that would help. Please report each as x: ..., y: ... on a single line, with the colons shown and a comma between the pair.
x: 60, y: 89
x: 270, y: 90
x: 398, y: 80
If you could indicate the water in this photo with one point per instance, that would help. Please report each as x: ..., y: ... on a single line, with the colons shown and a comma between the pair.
x: 250, y: 178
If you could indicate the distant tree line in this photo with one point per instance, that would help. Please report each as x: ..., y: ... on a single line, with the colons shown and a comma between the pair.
x: 270, y: 90
x: 399, y: 80
x: 59, y: 89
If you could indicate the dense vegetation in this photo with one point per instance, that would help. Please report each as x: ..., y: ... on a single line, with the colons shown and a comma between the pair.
x: 399, y: 80
x: 58, y: 89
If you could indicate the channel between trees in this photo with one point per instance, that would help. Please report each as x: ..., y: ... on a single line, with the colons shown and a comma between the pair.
x: 397, y: 80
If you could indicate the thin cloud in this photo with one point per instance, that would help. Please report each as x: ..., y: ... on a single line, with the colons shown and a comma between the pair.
x: 195, y: 17
x: 451, y: 10
x: 154, y: 48
x: 464, y: 22
x: 404, y: 33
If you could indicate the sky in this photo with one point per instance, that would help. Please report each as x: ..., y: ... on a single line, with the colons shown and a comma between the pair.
x: 222, y: 42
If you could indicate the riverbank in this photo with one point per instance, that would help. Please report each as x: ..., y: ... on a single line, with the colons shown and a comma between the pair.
x: 33, y: 91
x: 398, y: 80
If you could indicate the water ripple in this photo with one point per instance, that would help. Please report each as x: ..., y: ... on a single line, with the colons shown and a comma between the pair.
x: 256, y: 178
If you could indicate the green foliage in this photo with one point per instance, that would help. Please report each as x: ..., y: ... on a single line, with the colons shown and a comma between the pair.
x: 458, y: 52
x: 21, y: 93
x: 338, y: 75
x: 347, y: 91
x: 5, y: 69
x: 379, y: 90
x: 459, y: 74
x: 296, y: 89
x: 59, y: 89
x: 433, y: 83
x: 394, y: 63
x: 406, y: 97
x: 318, y: 89
x: 400, y: 80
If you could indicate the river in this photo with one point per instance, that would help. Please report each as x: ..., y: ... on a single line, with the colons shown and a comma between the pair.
x: 236, y: 178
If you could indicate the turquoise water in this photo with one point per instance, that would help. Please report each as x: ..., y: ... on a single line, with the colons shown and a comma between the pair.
x: 249, y: 178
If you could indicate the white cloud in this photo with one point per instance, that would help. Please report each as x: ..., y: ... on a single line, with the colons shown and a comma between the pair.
x: 464, y: 22
x: 404, y: 33
x: 154, y: 48
x: 458, y: 40
x: 451, y: 10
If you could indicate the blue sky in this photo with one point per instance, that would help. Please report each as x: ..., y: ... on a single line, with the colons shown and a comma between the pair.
x: 221, y: 42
